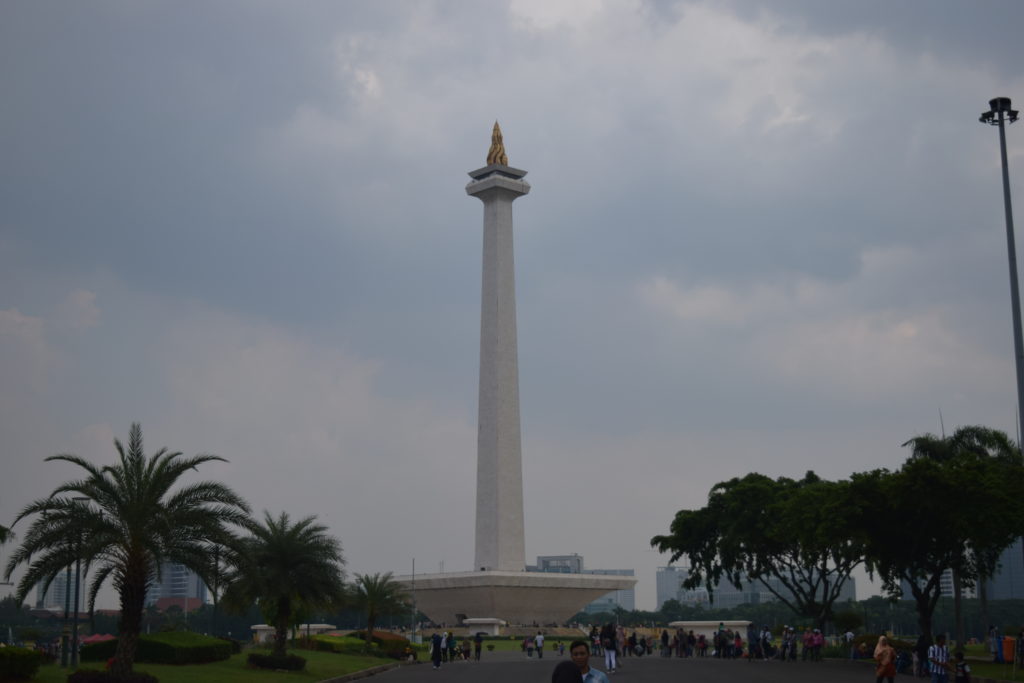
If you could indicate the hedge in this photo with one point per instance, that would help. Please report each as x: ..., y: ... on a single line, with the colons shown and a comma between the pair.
x: 19, y: 663
x: 172, y: 647
x: 287, y: 663
x: 90, y: 676
x: 391, y: 646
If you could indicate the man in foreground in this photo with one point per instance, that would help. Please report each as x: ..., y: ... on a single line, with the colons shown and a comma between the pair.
x: 580, y: 653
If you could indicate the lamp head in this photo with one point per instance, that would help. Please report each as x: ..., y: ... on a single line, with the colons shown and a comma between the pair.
x: 999, y: 105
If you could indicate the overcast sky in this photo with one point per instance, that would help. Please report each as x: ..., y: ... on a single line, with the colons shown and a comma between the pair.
x: 762, y: 236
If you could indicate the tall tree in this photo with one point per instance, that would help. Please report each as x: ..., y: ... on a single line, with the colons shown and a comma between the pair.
x: 792, y: 537
x: 955, y: 504
x: 125, y: 519
x: 285, y: 567
x: 376, y: 595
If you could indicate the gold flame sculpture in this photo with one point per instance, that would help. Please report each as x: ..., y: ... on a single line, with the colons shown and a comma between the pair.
x: 496, y: 154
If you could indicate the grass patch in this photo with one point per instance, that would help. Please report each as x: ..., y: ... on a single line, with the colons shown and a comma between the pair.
x: 1002, y: 672
x: 319, y: 666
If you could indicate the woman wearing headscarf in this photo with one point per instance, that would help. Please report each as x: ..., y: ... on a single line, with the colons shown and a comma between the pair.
x: 885, y: 661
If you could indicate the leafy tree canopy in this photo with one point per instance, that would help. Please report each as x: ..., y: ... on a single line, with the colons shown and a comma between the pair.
x: 287, y: 568
x: 791, y: 536
x: 955, y: 504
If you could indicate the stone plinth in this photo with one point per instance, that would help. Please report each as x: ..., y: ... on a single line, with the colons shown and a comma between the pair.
x: 515, y: 597
x: 491, y: 627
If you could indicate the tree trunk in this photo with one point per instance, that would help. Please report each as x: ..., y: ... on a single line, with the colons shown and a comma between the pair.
x: 280, y: 637
x: 284, y: 618
x: 983, y: 600
x: 133, y: 594
x: 924, y: 614
x: 369, y: 631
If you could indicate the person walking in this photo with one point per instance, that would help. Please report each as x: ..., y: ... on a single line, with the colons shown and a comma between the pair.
x: 885, y: 661
x: 608, y: 643
x: 435, y: 650
x: 938, y: 659
x: 538, y: 642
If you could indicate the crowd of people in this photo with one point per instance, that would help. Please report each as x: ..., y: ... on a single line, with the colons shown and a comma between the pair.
x: 613, y: 643
x: 445, y: 647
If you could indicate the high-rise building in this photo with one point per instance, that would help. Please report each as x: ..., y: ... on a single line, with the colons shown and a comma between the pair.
x: 53, y: 597
x: 176, y: 581
x: 945, y: 587
x: 669, y: 585
x: 1008, y: 581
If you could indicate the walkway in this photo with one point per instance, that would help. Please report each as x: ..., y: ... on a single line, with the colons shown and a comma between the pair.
x: 512, y: 667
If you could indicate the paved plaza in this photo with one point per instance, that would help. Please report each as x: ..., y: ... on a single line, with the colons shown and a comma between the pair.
x: 513, y: 667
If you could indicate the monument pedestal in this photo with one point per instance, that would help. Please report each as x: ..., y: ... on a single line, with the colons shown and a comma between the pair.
x: 516, y: 597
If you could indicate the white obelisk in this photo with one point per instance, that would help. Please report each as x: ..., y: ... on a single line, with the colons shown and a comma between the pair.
x: 499, y: 477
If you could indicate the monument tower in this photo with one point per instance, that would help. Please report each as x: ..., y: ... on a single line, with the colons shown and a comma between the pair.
x: 499, y: 589
x: 499, y: 470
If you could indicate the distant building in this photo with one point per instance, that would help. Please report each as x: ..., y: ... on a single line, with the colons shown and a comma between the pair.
x: 945, y: 587
x: 558, y: 564
x: 1008, y: 581
x: 53, y: 597
x: 669, y: 585
x: 573, y: 564
x: 177, y: 582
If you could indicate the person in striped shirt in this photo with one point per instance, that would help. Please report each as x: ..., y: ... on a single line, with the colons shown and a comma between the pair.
x: 938, y: 657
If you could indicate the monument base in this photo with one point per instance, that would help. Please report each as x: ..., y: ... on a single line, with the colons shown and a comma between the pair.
x: 515, y: 597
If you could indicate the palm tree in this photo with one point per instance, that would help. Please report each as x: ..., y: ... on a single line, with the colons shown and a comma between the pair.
x: 126, y: 521
x: 376, y: 595
x: 284, y: 568
x: 975, y: 562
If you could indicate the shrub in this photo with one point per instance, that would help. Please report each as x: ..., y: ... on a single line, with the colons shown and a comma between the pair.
x: 19, y: 663
x: 287, y: 663
x: 385, y: 644
x: 90, y: 676
x: 379, y: 636
x: 98, y: 652
x: 236, y: 645
x: 172, y: 647
x: 345, y: 645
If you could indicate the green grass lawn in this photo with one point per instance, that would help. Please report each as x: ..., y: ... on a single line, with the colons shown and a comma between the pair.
x: 319, y: 666
x: 1002, y: 672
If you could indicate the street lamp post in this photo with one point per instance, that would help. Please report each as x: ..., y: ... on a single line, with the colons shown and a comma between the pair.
x: 998, y: 114
x: 78, y: 574
x: 67, y: 609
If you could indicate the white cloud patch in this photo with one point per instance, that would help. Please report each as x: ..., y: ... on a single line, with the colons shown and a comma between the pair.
x: 78, y: 311
x: 26, y: 357
x: 856, y: 337
x: 289, y: 412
